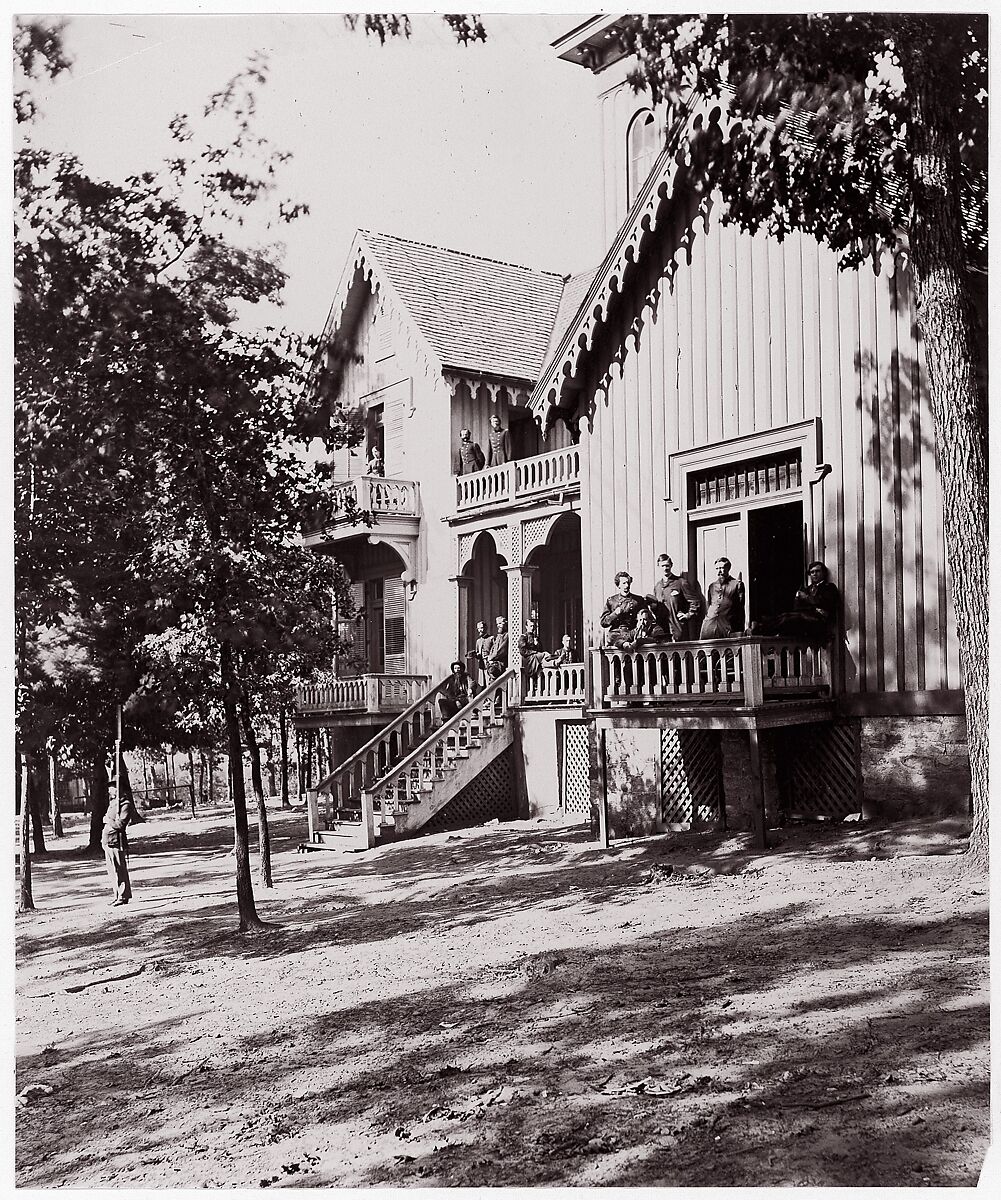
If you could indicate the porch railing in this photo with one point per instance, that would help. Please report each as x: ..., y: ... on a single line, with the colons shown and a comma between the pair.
x: 557, y: 685
x: 741, y: 671
x: 522, y: 479
x: 379, y: 496
x: 366, y: 693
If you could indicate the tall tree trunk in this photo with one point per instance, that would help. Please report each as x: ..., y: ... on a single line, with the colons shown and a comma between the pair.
x: 300, y: 767
x: 945, y: 321
x: 201, y: 776
x: 54, y: 809
x: 98, y: 798
x: 250, y: 922
x: 283, y: 751
x: 211, y: 776
x: 25, y: 898
x: 263, y: 832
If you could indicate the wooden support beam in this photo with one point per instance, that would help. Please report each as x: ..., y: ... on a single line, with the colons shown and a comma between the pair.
x: 757, y: 790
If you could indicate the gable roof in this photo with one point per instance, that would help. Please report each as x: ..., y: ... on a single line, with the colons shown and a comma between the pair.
x: 475, y: 314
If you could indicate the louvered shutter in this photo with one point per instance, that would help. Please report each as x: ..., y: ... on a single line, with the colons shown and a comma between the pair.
x: 395, y: 626
x: 394, y: 416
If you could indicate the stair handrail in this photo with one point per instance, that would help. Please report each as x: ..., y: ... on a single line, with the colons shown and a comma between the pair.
x: 500, y: 684
x: 386, y: 732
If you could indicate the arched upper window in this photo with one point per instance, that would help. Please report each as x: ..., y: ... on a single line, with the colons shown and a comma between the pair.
x: 641, y: 150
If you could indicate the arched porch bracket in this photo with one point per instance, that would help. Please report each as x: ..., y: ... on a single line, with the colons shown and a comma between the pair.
x: 405, y: 548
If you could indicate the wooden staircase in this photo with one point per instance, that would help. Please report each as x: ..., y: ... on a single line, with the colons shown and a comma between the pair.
x: 410, y: 770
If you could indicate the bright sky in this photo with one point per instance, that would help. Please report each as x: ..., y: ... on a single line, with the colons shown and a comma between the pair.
x: 489, y: 148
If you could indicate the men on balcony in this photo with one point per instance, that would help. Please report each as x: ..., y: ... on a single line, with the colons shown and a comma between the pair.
x: 481, y: 652
x: 677, y: 605
x: 725, y: 615
x: 499, y: 450
x: 815, y: 613
x: 468, y: 456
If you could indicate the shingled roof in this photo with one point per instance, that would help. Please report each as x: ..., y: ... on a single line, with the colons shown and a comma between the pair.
x: 477, y: 314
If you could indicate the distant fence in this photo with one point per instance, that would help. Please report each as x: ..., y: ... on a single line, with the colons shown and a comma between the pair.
x: 165, y: 796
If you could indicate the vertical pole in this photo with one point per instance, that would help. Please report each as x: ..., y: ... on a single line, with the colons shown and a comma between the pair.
x: 757, y: 790
x: 603, y: 784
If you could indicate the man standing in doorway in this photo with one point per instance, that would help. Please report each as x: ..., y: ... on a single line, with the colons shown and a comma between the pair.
x: 677, y: 604
x: 725, y: 616
x: 499, y: 450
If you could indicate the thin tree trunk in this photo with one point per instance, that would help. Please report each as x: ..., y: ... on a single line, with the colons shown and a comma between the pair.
x: 54, y: 809
x: 283, y: 751
x: 201, y: 776
x: 250, y: 922
x: 269, y: 751
x: 98, y: 799
x: 191, y: 779
x: 36, y: 805
x: 211, y: 776
x: 257, y: 783
x: 944, y: 317
x: 25, y: 899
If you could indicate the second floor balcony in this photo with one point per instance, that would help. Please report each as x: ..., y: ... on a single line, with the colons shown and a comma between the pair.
x: 393, y: 508
x: 525, y: 479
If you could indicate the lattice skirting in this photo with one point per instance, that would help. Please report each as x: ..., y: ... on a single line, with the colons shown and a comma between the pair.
x: 491, y: 794
x: 574, y: 767
x: 691, y: 778
x: 818, y: 771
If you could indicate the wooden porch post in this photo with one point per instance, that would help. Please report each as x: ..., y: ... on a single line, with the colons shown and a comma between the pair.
x: 519, y: 607
x: 757, y: 790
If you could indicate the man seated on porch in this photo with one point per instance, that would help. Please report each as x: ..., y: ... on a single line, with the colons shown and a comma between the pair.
x: 497, y: 655
x: 621, y: 611
x: 532, y: 654
x: 647, y: 632
x: 725, y: 615
x: 563, y: 656
x: 375, y: 465
x: 678, y: 605
x: 456, y: 691
x: 816, y: 609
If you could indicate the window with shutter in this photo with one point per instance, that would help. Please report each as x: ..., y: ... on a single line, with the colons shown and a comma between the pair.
x: 395, y: 626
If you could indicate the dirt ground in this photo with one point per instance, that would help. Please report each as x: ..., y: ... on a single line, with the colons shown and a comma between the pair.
x: 510, y: 1005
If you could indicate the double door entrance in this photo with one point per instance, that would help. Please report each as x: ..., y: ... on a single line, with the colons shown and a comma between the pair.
x: 766, y: 548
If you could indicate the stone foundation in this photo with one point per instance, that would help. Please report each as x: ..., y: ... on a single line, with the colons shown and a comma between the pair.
x: 915, y: 766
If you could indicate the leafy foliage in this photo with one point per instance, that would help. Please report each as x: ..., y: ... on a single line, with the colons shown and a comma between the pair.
x: 816, y: 126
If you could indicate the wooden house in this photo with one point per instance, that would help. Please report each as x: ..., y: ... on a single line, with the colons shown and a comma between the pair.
x: 703, y: 392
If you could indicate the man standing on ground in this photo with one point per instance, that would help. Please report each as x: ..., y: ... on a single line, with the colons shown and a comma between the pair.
x: 115, y: 840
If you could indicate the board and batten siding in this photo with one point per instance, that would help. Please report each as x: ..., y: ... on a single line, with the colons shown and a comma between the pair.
x: 756, y: 335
